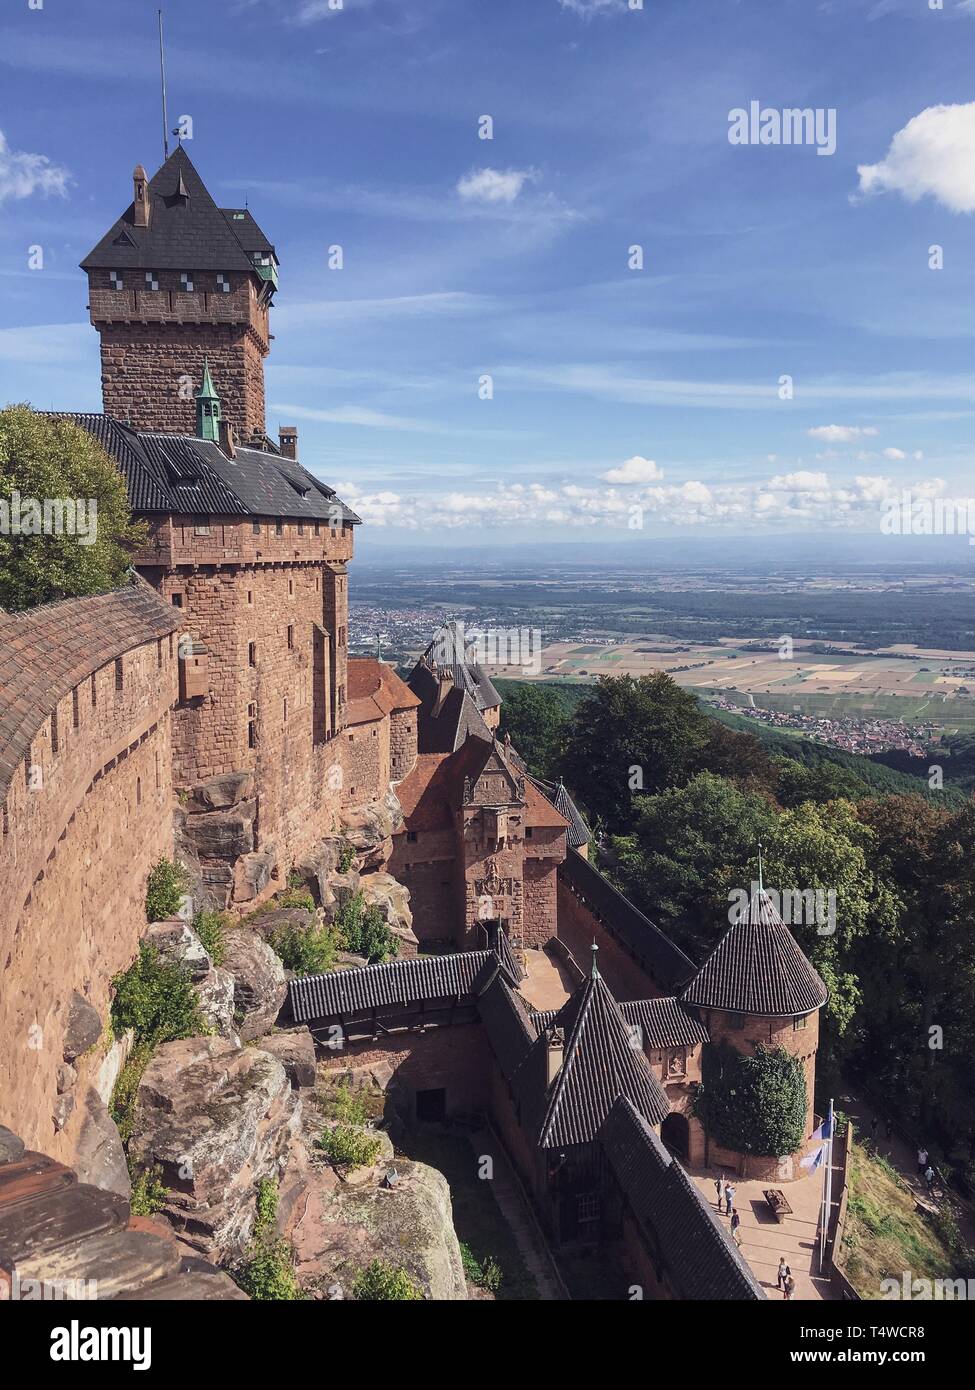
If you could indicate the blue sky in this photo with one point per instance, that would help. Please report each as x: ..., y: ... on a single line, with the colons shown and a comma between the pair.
x: 625, y: 403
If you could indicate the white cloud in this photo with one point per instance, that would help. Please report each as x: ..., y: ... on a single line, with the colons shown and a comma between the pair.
x: 588, y: 8
x: 894, y: 455
x: 23, y: 174
x: 493, y: 185
x: 634, y: 470
x: 934, y: 155
x: 840, y: 434
x: 359, y: 415
x: 803, y: 481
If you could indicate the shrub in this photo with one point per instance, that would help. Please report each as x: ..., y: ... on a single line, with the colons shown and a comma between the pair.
x: 349, y: 1146
x: 148, y: 1192
x: 363, y: 932
x: 347, y: 1105
x: 267, y: 1273
x: 346, y: 857
x: 157, y: 1000
x: 267, y: 1207
x: 167, y: 884
x: 754, y: 1104
x: 305, y: 950
x: 126, y: 1085
x: 486, y: 1273
x: 381, y: 1281
x: 212, y: 928
x: 296, y: 896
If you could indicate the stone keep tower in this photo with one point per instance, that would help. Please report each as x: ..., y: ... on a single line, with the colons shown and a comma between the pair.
x: 175, y: 282
x: 757, y: 988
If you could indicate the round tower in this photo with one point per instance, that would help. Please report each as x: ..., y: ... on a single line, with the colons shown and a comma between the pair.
x: 757, y: 989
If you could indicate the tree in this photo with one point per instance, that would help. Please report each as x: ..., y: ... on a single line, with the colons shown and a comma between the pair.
x: 536, y: 720
x: 754, y: 1105
x: 691, y: 845
x: 632, y: 736
x: 52, y: 462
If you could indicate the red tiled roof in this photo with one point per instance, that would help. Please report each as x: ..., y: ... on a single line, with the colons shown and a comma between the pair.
x: 374, y: 691
x: 48, y: 650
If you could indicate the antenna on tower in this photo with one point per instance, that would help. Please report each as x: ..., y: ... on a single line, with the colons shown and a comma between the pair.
x: 162, y: 79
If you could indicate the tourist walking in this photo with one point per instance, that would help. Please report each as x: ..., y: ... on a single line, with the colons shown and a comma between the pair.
x: 729, y: 1198
x: 719, y: 1183
x: 922, y: 1159
x: 784, y: 1271
x: 736, y: 1227
x: 790, y: 1288
x: 929, y: 1176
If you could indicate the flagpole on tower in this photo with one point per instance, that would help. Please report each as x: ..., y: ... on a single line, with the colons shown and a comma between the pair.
x: 162, y: 80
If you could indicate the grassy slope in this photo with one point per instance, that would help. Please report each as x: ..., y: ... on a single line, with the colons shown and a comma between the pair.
x: 884, y: 1234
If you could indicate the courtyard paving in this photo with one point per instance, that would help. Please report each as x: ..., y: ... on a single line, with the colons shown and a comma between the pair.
x: 547, y: 984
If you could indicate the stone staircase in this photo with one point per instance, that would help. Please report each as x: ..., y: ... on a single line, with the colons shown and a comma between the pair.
x: 60, y: 1238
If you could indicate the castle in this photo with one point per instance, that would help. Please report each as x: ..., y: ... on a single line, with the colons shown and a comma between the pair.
x: 210, y: 711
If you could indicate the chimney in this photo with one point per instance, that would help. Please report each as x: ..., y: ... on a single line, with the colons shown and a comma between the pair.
x: 140, y: 196
x: 227, y: 441
x: 553, y: 1054
x: 288, y: 441
x: 445, y: 684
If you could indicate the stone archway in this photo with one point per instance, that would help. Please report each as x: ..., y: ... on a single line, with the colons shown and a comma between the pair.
x: 675, y: 1132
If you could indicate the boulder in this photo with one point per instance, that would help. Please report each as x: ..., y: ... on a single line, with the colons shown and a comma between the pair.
x: 341, y: 889
x: 267, y: 922
x: 11, y: 1146
x: 318, y: 866
x: 66, y: 1078
x: 216, y: 994
x: 381, y: 890
x: 345, y: 960
x: 370, y: 827
x: 178, y: 944
x: 63, y: 1110
x: 215, y: 1119
x: 252, y: 873
x: 84, y: 1027
x: 342, y: 1228
x: 295, y: 1050
x: 99, y: 1157
x: 112, y: 1064
x: 222, y: 834
x: 260, y: 985
x: 218, y: 793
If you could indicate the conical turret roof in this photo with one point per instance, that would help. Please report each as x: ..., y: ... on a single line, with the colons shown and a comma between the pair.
x: 757, y: 968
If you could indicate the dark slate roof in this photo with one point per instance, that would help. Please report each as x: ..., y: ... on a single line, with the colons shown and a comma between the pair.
x: 397, y: 982
x: 183, y: 475
x: 507, y: 958
x: 247, y: 232
x: 451, y: 648
x: 579, y: 832
x: 700, y: 1259
x: 507, y: 1024
x: 457, y: 720
x: 600, y: 1064
x: 646, y: 943
x: 48, y: 650
x: 665, y: 1022
x: 183, y: 234
x: 757, y: 968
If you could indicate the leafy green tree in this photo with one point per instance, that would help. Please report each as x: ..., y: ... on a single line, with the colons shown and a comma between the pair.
x: 54, y: 460
x: 755, y: 1104
x: 157, y: 1000
x: 363, y: 931
x: 632, y: 737
x: 690, y: 845
x: 536, y: 719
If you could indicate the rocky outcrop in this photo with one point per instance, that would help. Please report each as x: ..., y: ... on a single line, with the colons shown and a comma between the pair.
x: 218, y: 793
x: 84, y: 1027
x: 178, y: 944
x: 99, y: 1157
x: 260, y: 985
x: 370, y: 828
x: 11, y: 1146
x: 215, y: 1119
x: 295, y: 1050
x: 381, y: 890
x: 253, y: 873
x: 318, y: 866
x: 216, y: 994
x: 222, y: 834
x: 342, y: 1228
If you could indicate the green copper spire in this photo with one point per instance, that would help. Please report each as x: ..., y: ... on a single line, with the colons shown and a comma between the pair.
x: 207, y: 407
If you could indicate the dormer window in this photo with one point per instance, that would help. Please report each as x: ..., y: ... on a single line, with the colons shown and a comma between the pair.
x: 223, y: 282
x: 152, y: 280
x: 186, y: 281
x: 115, y: 280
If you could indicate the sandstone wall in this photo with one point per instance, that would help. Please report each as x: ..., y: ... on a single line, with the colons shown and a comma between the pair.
x: 74, y: 859
x: 578, y: 928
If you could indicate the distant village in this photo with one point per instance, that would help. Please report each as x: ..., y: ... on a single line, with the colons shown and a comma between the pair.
x: 853, y: 733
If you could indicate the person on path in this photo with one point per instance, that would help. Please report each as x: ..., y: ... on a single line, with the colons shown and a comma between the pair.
x: 719, y: 1183
x: 783, y: 1272
x: 729, y: 1198
x: 929, y: 1176
x: 736, y: 1227
x: 922, y: 1159
x: 790, y: 1288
